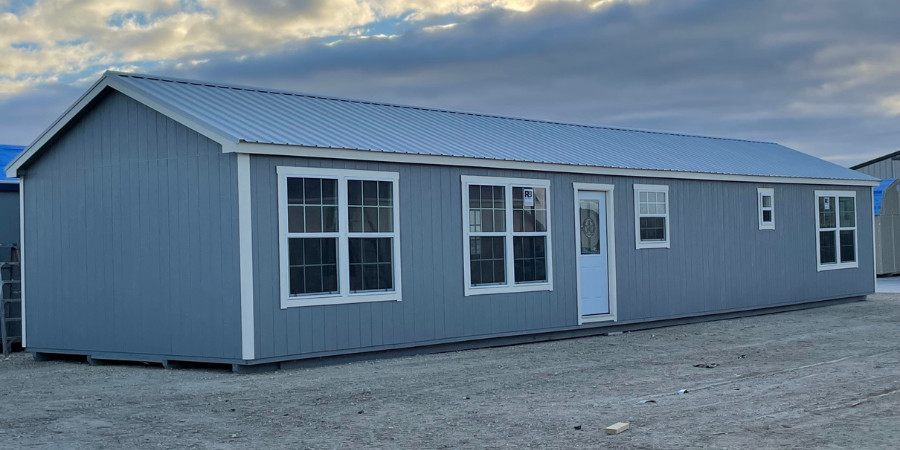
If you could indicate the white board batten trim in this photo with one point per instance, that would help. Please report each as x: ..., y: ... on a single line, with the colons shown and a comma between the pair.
x: 460, y: 161
x: 245, y: 233
x: 22, y: 256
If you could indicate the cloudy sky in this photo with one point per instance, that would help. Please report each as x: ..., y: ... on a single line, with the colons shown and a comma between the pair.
x: 821, y: 76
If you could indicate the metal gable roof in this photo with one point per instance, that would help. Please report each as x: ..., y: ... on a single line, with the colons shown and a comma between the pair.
x: 255, y: 115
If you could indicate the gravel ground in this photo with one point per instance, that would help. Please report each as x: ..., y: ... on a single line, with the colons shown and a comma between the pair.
x: 821, y: 378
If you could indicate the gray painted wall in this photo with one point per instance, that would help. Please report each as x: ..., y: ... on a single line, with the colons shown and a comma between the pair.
x: 131, y: 242
x: 719, y: 261
x: 887, y: 232
x: 9, y: 217
x: 882, y: 169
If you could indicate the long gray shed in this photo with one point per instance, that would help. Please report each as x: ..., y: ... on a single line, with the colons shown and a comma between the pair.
x: 175, y: 220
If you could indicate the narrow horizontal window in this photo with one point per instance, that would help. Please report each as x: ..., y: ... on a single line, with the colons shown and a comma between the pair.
x: 506, y: 235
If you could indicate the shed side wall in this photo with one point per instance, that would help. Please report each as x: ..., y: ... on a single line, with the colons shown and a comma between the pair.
x: 882, y: 169
x: 132, y: 238
x: 9, y: 217
x: 719, y: 260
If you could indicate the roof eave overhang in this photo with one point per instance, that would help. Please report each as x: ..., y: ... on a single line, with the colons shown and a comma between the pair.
x: 111, y: 80
x: 441, y: 160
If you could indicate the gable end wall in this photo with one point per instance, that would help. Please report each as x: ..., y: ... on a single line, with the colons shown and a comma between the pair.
x: 132, y: 239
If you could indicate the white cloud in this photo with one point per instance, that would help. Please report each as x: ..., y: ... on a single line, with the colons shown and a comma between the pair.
x: 436, y: 28
x: 891, y: 105
x: 65, y: 37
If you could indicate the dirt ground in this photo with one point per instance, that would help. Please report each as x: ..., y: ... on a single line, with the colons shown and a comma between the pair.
x: 820, y: 378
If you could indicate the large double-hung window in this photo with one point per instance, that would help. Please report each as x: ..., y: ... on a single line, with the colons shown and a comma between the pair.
x: 506, y: 235
x: 836, y: 230
x: 339, y: 236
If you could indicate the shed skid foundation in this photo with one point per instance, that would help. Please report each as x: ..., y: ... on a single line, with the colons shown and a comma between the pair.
x: 289, y: 363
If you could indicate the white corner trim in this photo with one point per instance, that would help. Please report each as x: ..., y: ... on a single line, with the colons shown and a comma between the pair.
x: 609, y: 190
x: 874, y: 255
x: 245, y: 227
x: 510, y: 286
x: 381, y: 156
x: 760, y: 192
x: 837, y: 236
x: 22, y: 257
x: 638, y: 188
x: 112, y: 81
x: 344, y: 296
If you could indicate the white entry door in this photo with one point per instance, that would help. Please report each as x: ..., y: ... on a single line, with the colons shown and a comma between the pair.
x: 593, y: 254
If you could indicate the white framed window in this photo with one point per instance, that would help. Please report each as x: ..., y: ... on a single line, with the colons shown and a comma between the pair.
x: 339, y: 236
x: 651, y: 215
x: 836, y: 238
x: 506, y: 235
x: 766, y: 204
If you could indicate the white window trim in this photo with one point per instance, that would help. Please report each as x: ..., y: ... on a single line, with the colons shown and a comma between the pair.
x: 760, y: 192
x: 344, y: 295
x: 510, y: 286
x: 638, y: 188
x: 608, y: 190
x: 837, y: 222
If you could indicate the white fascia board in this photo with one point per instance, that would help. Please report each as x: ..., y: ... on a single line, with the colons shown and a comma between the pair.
x: 409, y: 158
x: 111, y: 80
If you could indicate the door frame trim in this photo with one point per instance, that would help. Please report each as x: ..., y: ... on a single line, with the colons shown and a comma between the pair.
x: 607, y: 189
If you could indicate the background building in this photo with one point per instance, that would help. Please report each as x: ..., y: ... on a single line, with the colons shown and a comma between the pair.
x: 887, y: 211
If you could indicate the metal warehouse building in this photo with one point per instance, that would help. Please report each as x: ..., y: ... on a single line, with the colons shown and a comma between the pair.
x: 174, y: 220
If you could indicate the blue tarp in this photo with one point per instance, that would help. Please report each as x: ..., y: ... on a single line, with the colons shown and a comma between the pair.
x: 879, y: 193
x: 7, y: 154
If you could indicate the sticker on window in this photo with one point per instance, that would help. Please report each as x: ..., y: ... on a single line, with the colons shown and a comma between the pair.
x: 827, y: 204
x: 528, y: 196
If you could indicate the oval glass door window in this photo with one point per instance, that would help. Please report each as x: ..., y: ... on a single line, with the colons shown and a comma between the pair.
x: 590, y: 227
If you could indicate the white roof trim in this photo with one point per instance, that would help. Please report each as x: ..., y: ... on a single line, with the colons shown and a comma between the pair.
x: 379, y: 156
x: 109, y: 79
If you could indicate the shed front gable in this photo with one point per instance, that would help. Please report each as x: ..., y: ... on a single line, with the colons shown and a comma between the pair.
x: 103, y: 87
x: 131, y: 232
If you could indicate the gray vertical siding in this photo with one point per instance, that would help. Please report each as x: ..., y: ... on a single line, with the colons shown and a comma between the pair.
x: 9, y: 216
x: 132, y: 239
x: 718, y: 261
x: 883, y: 169
x: 887, y: 232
